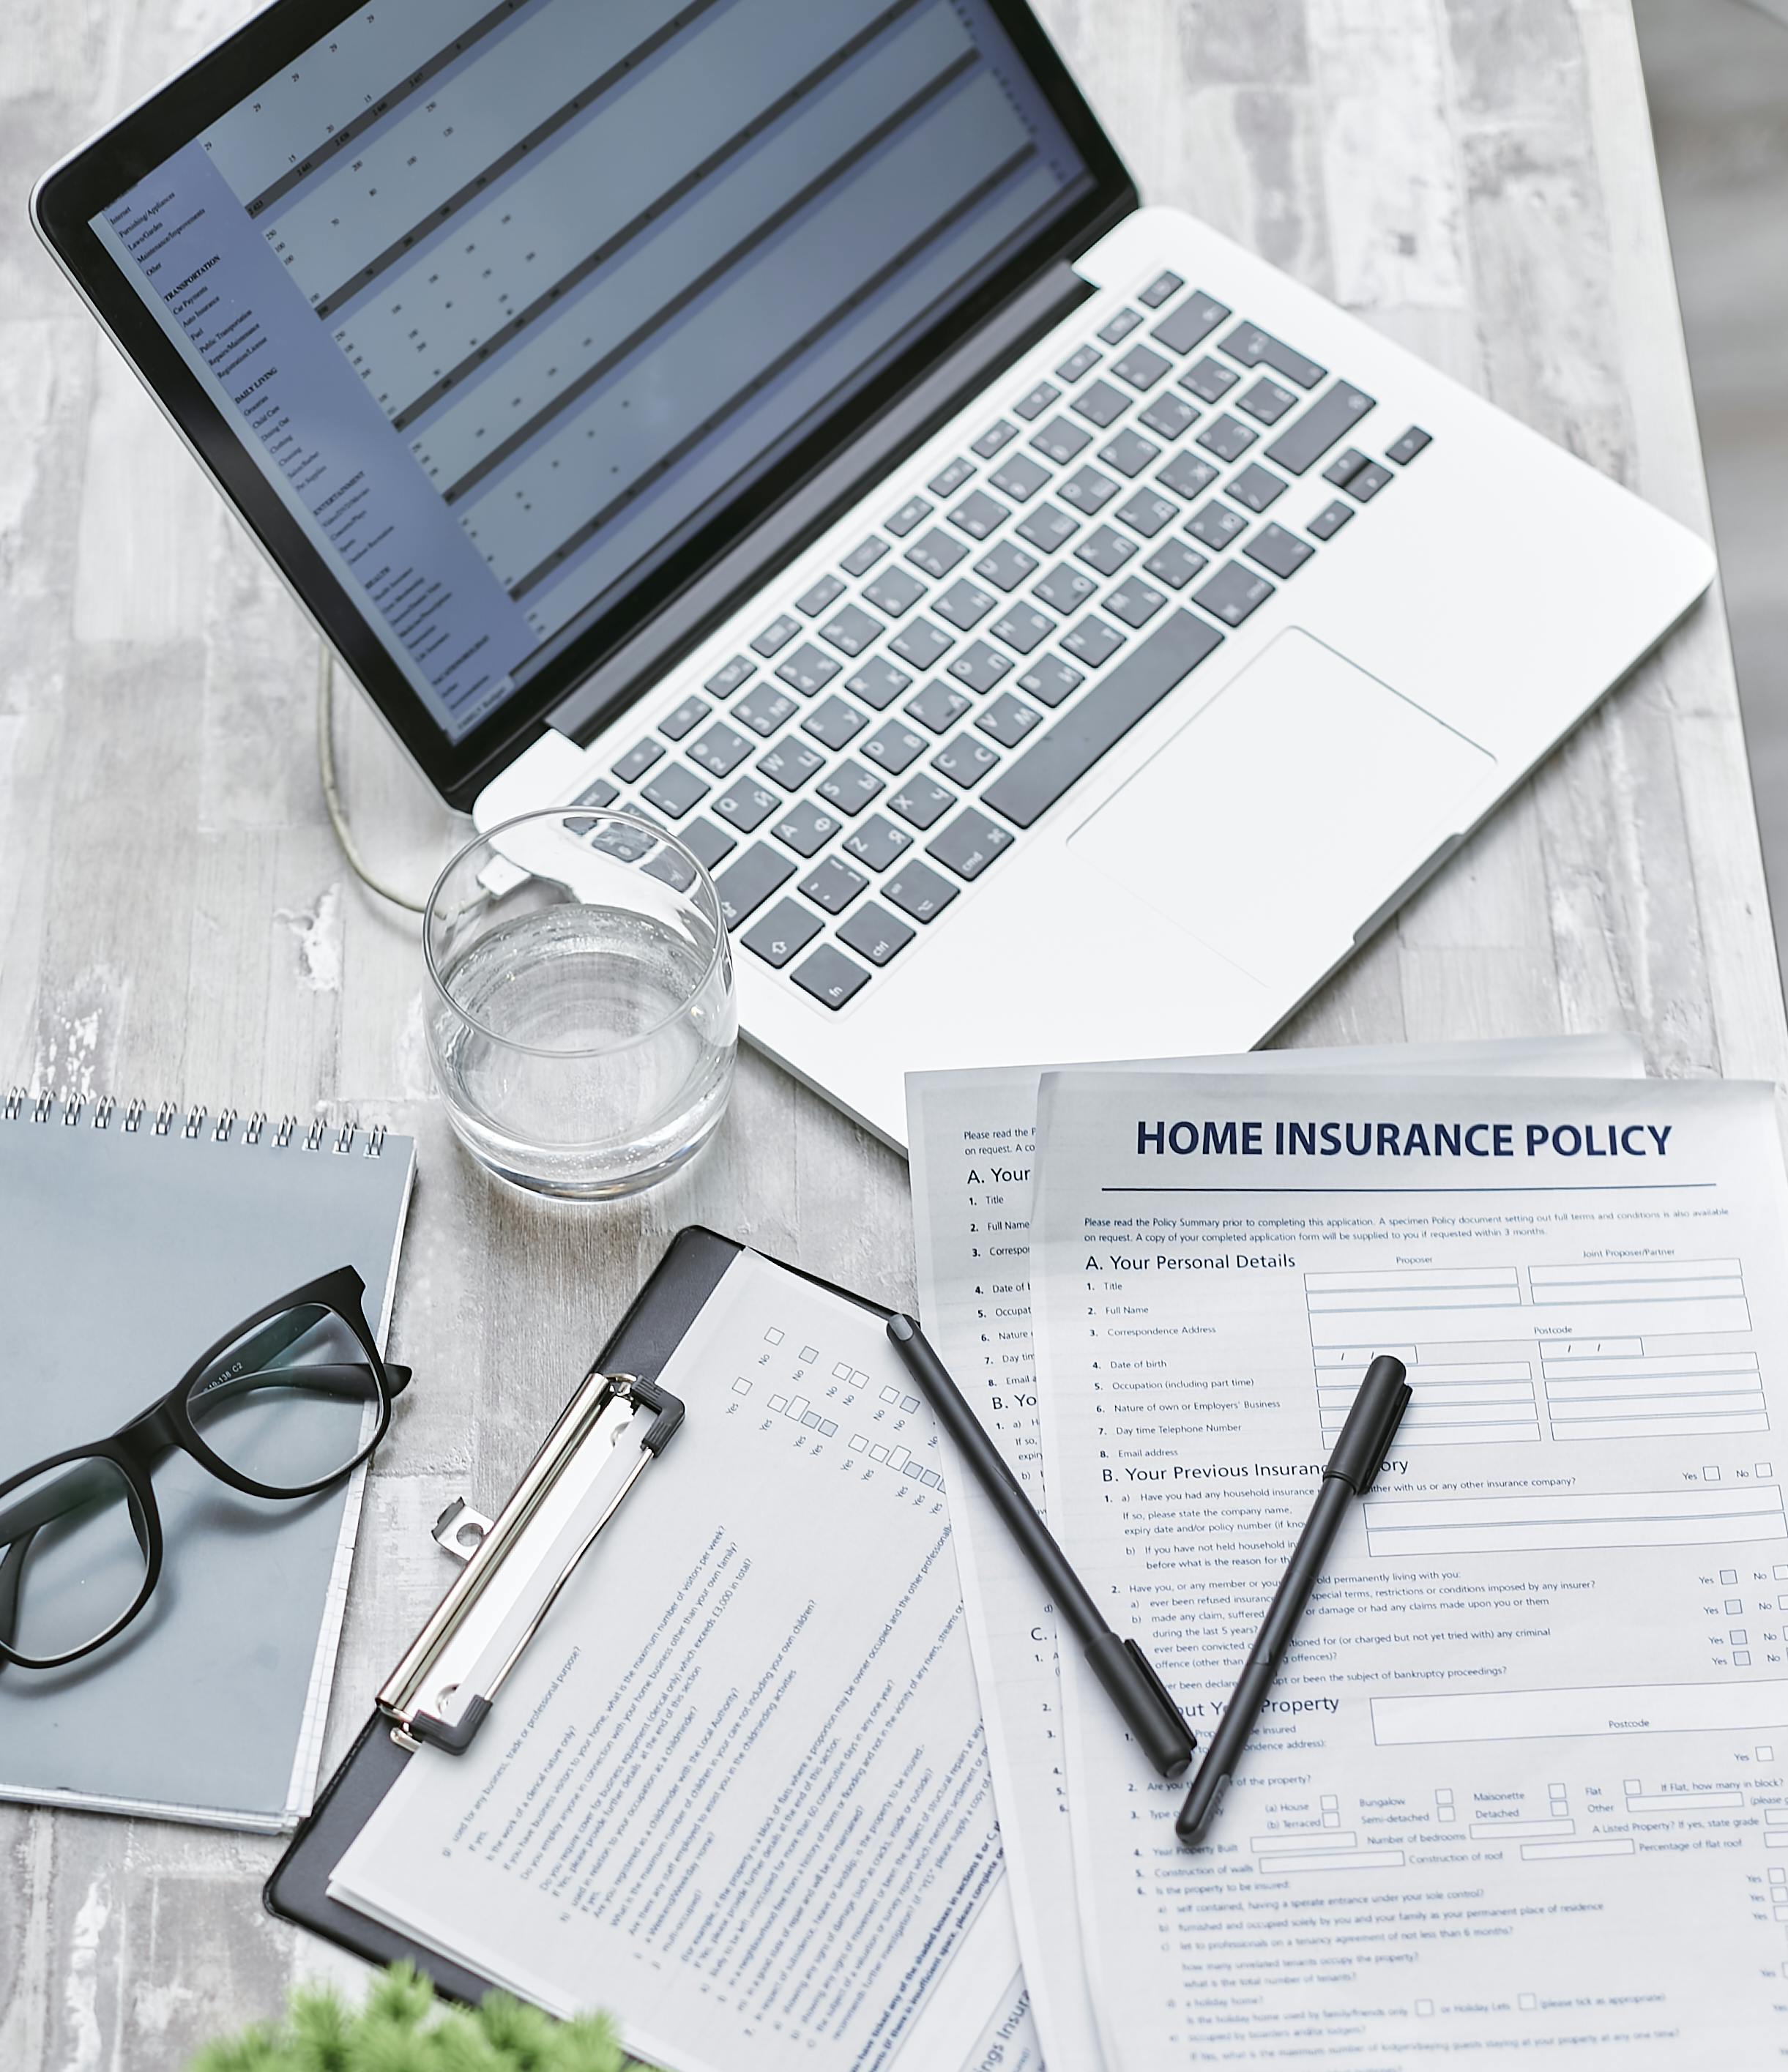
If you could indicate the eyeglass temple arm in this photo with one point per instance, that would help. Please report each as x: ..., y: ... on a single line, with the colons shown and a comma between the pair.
x: 339, y: 1378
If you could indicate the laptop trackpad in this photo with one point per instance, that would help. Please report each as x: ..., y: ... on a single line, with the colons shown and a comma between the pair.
x: 1282, y: 816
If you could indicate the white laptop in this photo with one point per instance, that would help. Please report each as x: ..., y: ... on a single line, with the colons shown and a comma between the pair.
x: 1059, y: 633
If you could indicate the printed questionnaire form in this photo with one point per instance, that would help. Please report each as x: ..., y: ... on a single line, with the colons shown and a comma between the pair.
x: 972, y: 1135
x: 1523, y: 1782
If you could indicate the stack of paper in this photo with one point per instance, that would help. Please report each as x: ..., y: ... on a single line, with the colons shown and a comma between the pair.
x: 1518, y: 1788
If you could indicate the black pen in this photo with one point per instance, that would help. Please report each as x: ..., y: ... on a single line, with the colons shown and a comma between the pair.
x: 1359, y: 1453
x: 1133, y: 1686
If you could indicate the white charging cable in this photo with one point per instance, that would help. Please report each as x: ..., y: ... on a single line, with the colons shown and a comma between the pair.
x: 331, y: 791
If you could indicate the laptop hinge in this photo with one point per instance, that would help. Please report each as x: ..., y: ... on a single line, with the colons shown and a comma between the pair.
x: 806, y: 510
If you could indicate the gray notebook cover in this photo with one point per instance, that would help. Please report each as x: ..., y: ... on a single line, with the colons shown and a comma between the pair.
x: 124, y: 1254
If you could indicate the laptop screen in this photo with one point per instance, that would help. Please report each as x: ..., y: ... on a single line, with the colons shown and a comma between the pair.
x: 506, y: 301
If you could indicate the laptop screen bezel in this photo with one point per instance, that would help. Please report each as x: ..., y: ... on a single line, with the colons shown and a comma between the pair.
x: 92, y: 178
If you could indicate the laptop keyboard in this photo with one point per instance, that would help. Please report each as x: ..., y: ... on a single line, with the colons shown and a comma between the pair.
x: 877, y: 748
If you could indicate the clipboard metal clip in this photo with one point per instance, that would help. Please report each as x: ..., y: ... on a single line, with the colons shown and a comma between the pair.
x: 516, y: 1563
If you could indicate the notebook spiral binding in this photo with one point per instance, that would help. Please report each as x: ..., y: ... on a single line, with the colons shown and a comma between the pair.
x: 100, y: 1109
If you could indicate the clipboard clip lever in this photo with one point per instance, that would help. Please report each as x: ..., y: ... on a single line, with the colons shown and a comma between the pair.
x: 516, y: 1563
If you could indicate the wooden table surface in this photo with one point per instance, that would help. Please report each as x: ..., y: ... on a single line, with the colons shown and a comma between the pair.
x: 1474, y: 177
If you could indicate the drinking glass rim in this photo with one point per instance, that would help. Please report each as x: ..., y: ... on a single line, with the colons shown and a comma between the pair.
x: 488, y: 835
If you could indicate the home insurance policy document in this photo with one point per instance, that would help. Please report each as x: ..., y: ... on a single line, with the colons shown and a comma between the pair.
x: 971, y: 1134
x: 736, y: 1789
x: 1519, y: 1788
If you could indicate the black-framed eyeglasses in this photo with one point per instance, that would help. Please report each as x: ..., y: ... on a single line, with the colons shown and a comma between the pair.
x: 288, y: 1403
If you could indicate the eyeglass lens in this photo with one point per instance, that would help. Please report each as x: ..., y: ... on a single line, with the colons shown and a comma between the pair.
x: 290, y: 1402
x: 72, y: 1563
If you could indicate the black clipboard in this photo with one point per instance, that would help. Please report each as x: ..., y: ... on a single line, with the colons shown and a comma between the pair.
x: 642, y: 1344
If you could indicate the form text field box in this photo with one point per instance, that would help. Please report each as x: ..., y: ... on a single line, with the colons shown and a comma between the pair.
x: 1574, y: 1713
x: 1401, y: 1528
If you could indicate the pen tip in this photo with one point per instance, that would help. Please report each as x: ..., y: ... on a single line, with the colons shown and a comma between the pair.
x: 900, y: 1326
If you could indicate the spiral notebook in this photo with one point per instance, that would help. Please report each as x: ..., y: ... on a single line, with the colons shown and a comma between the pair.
x: 130, y: 1239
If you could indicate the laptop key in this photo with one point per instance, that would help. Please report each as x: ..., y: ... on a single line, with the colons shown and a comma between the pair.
x: 877, y: 842
x: 1163, y: 288
x: 922, y: 644
x: 747, y: 804
x: 878, y: 683
x: 705, y: 842
x: 1100, y: 404
x: 849, y: 787
x: 830, y: 976
x: 1032, y: 407
x: 1105, y: 549
x: 1006, y: 566
x: 672, y: 868
x: 918, y: 889
x: 807, y: 828
x: 675, y: 789
x: 826, y: 590
x: 628, y: 844
x: 874, y: 933
x: 1280, y: 553
x: 1081, y: 360
x: 776, y: 635
x: 1405, y: 449
x: 980, y: 667
x: 1048, y: 527
x: 970, y: 843
x: 1175, y: 563
x: 1267, y: 400
x: 1168, y: 416
x: 1129, y: 452
x: 1216, y: 524
x: 1232, y: 592
x: 949, y: 480
x: 861, y: 559
x: 1022, y: 629
x: 727, y: 679
x: 1000, y: 432
x: 894, y: 747
x: 913, y: 512
x: 964, y: 761
x: 1092, y: 641
x: 963, y: 604
x: 894, y: 591
x: 1191, y: 323
x: 786, y: 929
x: 851, y: 631
x: 1115, y: 329
x: 1255, y: 347
x: 1255, y: 487
x: 790, y: 763
x: 938, y: 707
x: 1008, y: 720
x: 1059, y: 441
x: 809, y: 669
x: 1342, y: 469
x: 1020, y: 478
x: 936, y: 552
x: 638, y: 760
x: 1364, y: 485
x: 764, y: 709
x: 1050, y: 680
x: 1227, y: 437
x: 834, y: 722
x: 1330, y: 520
x: 1057, y: 760
x: 1086, y: 491
x: 1331, y: 416
x: 1147, y: 513
x: 1141, y: 367
x: 833, y: 885
x: 1064, y: 589
x: 744, y: 884
x: 601, y: 793
x: 980, y: 515
x: 688, y: 716
x: 1185, y: 474
x: 922, y: 802
x: 1135, y: 601
x: 1208, y: 380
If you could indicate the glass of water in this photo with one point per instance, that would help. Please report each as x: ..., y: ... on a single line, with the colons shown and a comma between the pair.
x: 581, y: 1012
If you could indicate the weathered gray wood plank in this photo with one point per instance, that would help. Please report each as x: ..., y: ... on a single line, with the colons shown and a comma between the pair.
x: 1475, y: 179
